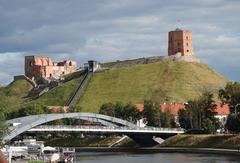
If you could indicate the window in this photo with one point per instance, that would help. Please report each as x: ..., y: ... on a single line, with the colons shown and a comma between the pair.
x: 187, y: 50
x: 178, y: 43
x: 187, y: 37
x: 179, y: 50
x: 187, y: 43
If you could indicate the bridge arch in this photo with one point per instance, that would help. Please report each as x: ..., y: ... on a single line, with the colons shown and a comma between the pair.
x: 28, y: 122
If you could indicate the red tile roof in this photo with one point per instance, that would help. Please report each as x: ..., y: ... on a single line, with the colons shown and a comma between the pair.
x: 140, y: 107
x: 222, y: 109
x: 175, y: 107
x: 58, y: 108
x: 172, y: 108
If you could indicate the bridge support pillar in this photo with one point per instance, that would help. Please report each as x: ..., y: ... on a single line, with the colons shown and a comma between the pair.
x: 144, y: 140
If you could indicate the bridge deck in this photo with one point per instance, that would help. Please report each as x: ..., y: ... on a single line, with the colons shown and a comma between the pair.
x: 104, y: 129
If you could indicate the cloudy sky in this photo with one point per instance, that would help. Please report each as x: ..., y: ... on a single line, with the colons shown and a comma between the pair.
x: 108, y: 30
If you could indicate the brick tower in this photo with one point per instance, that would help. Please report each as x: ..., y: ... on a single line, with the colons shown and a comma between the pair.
x: 180, y: 41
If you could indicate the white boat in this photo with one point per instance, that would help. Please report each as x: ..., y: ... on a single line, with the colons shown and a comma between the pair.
x: 50, y: 154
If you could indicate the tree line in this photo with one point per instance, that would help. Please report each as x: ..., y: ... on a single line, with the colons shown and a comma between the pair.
x: 198, y: 114
x: 151, y: 114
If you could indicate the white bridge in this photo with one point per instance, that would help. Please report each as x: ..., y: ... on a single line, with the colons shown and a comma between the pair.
x: 106, y: 129
x: 107, y: 125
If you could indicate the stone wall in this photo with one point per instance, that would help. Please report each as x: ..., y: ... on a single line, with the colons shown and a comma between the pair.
x: 19, y: 77
x: 186, y: 58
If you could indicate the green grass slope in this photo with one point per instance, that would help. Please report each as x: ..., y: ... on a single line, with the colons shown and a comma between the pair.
x: 18, y: 88
x: 160, y: 81
x: 75, y: 141
x: 203, y: 141
x: 58, y: 95
x: 14, y: 95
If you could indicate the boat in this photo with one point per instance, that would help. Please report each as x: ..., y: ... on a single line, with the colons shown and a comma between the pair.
x: 67, y: 155
x: 50, y: 154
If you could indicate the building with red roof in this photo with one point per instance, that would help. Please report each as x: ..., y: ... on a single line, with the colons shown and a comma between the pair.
x: 222, y: 110
x: 57, y: 109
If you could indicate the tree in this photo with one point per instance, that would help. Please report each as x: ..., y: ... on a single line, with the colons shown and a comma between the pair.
x: 209, y: 126
x: 3, y: 132
x: 33, y: 109
x: 199, y: 114
x: 3, y: 127
x: 151, y: 113
x: 233, y: 123
x: 167, y: 119
x: 208, y: 122
x: 127, y: 112
x: 119, y: 110
x: 230, y: 95
x: 107, y: 109
x: 183, y: 119
x: 74, y: 109
x: 130, y: 113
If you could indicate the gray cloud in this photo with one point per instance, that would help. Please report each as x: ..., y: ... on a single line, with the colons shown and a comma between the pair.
x: 109, y: 30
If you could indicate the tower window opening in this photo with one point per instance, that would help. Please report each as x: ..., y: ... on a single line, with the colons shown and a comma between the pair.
x: 187, y: 50
x: 187, y: 43
x: 178, y: 43
x: 187, y: 37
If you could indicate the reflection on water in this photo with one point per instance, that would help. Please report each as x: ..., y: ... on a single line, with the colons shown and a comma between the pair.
x: 154, y: 158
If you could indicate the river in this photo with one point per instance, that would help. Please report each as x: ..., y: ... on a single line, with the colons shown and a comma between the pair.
x: 154, y: 158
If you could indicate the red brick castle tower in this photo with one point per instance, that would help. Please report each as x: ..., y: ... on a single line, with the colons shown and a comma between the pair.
x: 180, y: 42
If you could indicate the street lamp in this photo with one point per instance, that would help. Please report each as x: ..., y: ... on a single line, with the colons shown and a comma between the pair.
x: 235, y: 108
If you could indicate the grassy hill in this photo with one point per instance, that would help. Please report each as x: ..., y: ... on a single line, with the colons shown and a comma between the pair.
x: 58, y: 95
x: 160, y: 81
x: 14, y: 95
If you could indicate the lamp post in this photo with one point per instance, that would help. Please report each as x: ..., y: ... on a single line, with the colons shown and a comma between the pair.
x: 235, y: 108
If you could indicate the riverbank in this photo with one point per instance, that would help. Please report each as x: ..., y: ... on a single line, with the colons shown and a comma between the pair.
x: 203, y: 141
x: 82, y: 142
x: 178, y: 141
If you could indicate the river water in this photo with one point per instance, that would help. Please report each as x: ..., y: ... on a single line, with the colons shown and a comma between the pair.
x: 154, y: 158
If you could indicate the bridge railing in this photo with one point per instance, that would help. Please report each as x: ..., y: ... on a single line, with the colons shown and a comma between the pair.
x: 106, y: 127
